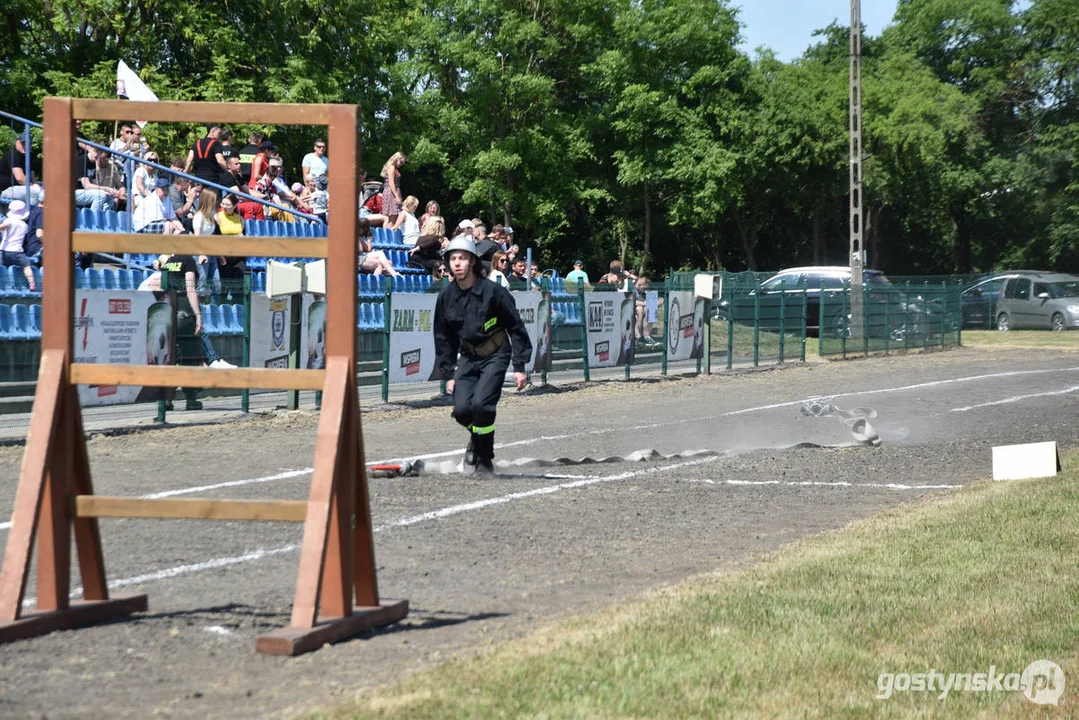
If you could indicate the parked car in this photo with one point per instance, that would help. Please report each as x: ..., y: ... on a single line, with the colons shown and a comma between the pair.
x: 829, y: 282
x: 1038, y: 300
x: 980, y: 302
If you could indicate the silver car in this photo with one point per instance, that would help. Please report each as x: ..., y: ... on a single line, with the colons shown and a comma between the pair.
x: 1039, y: 300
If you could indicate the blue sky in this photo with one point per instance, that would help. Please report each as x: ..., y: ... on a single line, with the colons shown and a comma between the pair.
x: 785, y: 26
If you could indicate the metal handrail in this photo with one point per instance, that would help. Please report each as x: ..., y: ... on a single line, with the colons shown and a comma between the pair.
x: 134, y: 158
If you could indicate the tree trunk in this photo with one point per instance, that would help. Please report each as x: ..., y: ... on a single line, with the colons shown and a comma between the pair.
x: 645, y: 255
x: 747, y: 232
x: 816, y: 235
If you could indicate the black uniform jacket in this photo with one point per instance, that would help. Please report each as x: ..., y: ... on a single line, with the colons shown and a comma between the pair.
x: 474, y: 315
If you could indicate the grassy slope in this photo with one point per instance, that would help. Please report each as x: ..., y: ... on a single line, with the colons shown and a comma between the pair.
x: 983, y: 576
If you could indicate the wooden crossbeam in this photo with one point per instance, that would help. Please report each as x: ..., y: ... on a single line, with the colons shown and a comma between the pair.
x: 200, y: 112
x: 99, y: 506
x: 238, y: 245
x: 196, y: 377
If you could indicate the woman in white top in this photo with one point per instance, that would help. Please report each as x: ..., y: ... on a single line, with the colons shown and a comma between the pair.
x: 407, y: 222
x: 499, y: 263
x: 144, y: 178
x: 203, y: 223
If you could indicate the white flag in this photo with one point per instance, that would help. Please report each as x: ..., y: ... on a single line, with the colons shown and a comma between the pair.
x: 129, y: 85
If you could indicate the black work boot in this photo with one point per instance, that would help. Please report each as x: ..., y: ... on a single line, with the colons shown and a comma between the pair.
x: 485, y: 453
x: 469, y: 464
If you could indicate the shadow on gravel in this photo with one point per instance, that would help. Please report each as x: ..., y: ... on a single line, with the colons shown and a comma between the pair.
x: 421, y: 619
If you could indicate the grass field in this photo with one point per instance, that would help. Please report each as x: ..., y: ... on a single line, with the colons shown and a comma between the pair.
x: 982, y: 577
x: 1022, y: 338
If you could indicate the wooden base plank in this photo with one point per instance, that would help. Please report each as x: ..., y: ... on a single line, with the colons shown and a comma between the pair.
x: 78, y: 614
x: 201, y: 377
x: 296, y: 641
x: 87, y: 506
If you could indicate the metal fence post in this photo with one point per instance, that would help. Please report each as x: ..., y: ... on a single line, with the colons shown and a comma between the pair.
x: 666, y: 319
x: 782, y: 325
x: 245, y: 396
x: 387, y: 324
x: 757, y: 326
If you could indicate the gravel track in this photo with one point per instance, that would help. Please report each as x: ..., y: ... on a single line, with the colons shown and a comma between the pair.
x: 480, y: 576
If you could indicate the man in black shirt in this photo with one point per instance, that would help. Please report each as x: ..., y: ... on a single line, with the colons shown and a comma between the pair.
x: 13, y: 173
x: 249, y: 151
x: 205, y: 159
x: 478, y: 319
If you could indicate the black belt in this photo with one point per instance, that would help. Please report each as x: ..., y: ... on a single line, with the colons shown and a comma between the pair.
x: 486, y: 348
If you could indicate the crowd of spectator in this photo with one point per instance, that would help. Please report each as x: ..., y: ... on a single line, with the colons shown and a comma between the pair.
x: 252, y: 185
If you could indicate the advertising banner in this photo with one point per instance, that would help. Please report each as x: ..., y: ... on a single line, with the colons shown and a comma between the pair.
x: 685, y: 325
x: 121, y: 327
x: 270, y: 331
x: 313, y: 332
x: 535, y: 311
x: 609, y: 321
x: 412, y: 338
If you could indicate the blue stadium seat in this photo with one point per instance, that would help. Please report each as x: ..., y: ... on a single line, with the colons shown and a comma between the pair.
x: 7, y: 282
x: 21, y: 324
x: 363, y: 316
x: 84, y: 220
x: 210, y: 319
x: 320, y: 230
x: 425, y: 282
x: 380, y: 316
x: 7, y: 323
x: 110, y: 279
x: 94, y: 281
x: 100, y: 222
x: 237, y: 326
x: 123, y: 222
x: 397, y: 284
x: 125, y: 279
x: 258, y: 282
x: 39, y: 275
x: 35, y: 320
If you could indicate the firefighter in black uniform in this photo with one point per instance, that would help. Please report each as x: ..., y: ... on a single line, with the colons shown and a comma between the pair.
x: 478, y: 319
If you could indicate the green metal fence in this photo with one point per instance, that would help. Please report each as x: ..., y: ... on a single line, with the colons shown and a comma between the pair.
x: 746, y: 327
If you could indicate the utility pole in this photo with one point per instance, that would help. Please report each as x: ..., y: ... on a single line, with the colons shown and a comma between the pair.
x: 857, y: 255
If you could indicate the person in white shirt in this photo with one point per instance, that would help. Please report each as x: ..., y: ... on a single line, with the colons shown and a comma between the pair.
x: 316, y: 163
x: 407, y: 222
x: 499, y: 263
x: 149, y: 215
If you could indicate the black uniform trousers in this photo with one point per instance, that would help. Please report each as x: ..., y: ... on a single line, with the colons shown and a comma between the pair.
x: 478, y: 387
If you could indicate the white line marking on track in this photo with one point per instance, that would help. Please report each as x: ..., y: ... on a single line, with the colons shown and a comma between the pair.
x: 1016, y: 399
x: 217, y: 630
x: 577, y: 482
x: 548, y: 438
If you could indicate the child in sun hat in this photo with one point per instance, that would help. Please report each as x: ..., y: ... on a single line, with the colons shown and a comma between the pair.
x: 14, y: 229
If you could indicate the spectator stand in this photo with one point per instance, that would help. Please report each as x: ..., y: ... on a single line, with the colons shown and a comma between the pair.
x: 55, y: 492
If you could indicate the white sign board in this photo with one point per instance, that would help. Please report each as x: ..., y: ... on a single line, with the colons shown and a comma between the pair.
x: 313, y: 332
x: 609, y: 320
x: 685, y: 325
x: 121, y: 327
x: 269, y: 331
x: 1030, y: 460
x: 535, y: 311
x: 412, y: 338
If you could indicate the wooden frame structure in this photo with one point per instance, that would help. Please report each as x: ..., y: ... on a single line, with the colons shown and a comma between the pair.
x: 336, y: 591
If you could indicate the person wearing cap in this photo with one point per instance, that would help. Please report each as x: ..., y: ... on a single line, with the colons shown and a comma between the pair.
x: 13, y: 180
x: 478, y: 333
x: 12, y: 250
x: 149, y: 215
x: 577, y: 274
x: 464, y: 229
x: 249, y: 151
